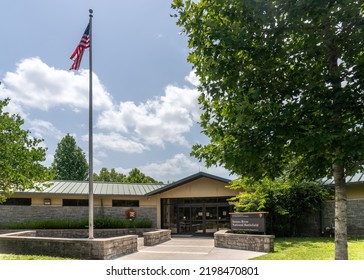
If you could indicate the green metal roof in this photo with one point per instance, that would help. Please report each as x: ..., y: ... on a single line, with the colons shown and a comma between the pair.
x: 99, y: 188
x: 113, y: 189
x: 355, y: 179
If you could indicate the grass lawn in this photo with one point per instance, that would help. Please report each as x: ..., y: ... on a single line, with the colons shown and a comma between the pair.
x: 27, y: 257
x: 311, y: 249
x: 284, y: 249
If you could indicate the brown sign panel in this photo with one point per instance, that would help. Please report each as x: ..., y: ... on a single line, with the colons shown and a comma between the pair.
x: 130, y: 214
x: 249, y: 222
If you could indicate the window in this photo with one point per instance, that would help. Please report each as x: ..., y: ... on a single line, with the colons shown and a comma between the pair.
x: 18, y: 201
x: 125, y: 203
x: 75, y: 202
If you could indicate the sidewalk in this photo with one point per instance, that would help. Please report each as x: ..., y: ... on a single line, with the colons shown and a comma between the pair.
x: 188, y: 248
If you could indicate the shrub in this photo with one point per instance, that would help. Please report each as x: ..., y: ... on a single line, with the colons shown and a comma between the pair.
x: 71, y: 224
x: 46, y: 224
x: 288, y: 202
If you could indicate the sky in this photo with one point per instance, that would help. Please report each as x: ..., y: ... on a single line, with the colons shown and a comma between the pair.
x: 145, y: 109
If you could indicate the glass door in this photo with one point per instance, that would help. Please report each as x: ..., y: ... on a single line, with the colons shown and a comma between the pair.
x: 224, y: 217
x: 197, y: 219
x: 184, y: 219
x: 211, y: 219
x: 204, y: 219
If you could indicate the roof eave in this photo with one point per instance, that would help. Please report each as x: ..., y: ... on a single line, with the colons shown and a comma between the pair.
x: 187, y: 180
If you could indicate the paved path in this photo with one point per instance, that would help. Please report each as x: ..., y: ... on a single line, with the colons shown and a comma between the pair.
x: 188, y: 248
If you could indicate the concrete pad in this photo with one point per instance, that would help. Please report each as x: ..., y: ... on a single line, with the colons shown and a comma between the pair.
x: 188, y: 248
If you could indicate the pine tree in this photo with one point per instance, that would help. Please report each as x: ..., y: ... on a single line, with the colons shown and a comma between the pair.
x: 69, y: 160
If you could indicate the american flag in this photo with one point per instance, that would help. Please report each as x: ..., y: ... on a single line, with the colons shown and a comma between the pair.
x: 78, y: 53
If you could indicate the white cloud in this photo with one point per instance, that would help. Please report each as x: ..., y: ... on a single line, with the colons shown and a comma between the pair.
x: 115, y: 142
x: 127, y: 128
x: 41, y: 128
x: 36, y: 85
x: 176, y: 168
x: 157, y: 121
x: 193, y: 79
x: 49, y: 160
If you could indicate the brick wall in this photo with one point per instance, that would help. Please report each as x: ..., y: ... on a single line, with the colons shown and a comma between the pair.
x: 156, y: 237
x: 11, y: 214
x: 250, y: 242
x: 355, y: 218
x: 26, y: 243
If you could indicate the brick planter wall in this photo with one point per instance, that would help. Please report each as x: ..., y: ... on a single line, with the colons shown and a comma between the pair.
x: 249, y: 242
x: 156, y: 237
x: 27, y: 243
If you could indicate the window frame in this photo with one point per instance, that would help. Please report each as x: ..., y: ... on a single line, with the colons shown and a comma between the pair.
x: 125, y: 203
x: 75, y: 202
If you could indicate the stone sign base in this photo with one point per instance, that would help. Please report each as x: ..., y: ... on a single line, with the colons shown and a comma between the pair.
x: 249, y: 242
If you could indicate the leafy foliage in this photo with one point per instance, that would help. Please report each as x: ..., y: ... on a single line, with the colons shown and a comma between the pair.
x: 20, y: 156
x: 287, y: 202
x: 109, y: 176
x: 69, y: 160
x: 280, y: 80
x: 73, y: 224
x: 134, y: 176
x: 265, y: 195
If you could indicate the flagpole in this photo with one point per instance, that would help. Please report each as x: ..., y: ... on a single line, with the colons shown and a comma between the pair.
x: 90, y: 144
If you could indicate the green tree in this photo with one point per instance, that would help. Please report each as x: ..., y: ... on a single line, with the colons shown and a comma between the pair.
x: 280, y: 80
x: 20, y: 156
x: 263, y: 195
x: 109, y: 176
x: 287, y: 202
x: 104, y: 175
x: 136, y: 176
x: 116, y: 176
x: 69, y: 160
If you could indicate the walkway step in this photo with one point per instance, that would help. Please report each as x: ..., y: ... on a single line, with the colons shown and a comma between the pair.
x: 192, y: 248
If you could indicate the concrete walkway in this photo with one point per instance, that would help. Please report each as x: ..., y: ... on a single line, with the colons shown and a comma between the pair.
x: 188, y: 248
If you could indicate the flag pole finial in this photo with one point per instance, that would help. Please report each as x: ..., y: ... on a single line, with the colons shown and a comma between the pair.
x: 91, y: 11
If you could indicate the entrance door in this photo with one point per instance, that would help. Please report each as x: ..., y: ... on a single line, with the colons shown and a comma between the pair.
x: 184, y: 219
x: 198, y: 219
x: 192, y: 219
x: 211, y: 219
x: 223, y: 218
x: 195, y: 215
x: 204, y: 219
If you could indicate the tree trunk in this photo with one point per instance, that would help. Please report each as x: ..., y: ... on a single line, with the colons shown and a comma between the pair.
x: 341, y: 236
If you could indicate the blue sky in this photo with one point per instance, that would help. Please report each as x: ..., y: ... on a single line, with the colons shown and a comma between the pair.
x: 145, y: 99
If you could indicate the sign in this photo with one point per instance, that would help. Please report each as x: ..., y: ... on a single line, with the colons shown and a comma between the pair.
x: 130, y: 214
x: 248, y: 221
